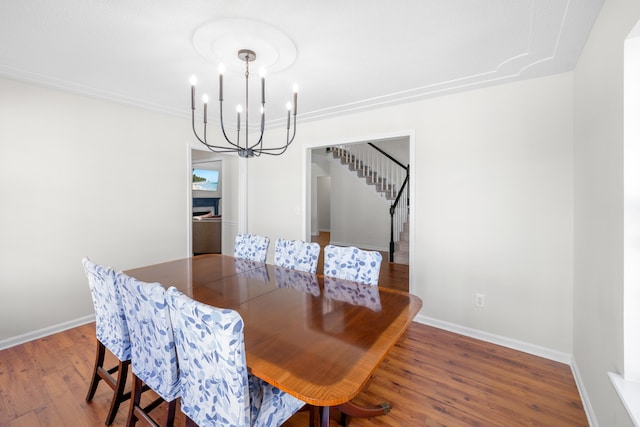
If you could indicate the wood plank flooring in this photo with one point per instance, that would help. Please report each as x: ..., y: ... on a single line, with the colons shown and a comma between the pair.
x: 431, y: 378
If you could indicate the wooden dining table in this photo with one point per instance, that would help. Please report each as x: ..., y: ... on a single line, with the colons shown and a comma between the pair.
x: 319, y: 339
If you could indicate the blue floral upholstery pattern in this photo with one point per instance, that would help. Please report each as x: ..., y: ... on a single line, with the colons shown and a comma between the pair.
x: 111, y: 324
x: 252, y: 269
x: 299, y: 280
x: 352, y: 293
x: 297, y: 255
x: 251, y: 247
x: 351, y: 263
x: 216, y: 387
x: 153, y: 352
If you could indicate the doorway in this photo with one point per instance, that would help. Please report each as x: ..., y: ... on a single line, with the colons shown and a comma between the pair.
x: 206, y: 203
x: 325, y: 215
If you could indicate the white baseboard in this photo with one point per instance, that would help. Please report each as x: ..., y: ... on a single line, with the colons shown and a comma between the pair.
x: 33, y: 335
x: 536, y: 350
x: 586, y: 403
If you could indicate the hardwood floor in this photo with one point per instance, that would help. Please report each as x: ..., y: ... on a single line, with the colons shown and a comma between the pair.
x: 431, y: 378
x: 392, y: 275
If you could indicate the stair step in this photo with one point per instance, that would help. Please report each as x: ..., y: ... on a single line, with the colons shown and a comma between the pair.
x: 401, y: 253
x: 401, y: 246
x: 401, y: 258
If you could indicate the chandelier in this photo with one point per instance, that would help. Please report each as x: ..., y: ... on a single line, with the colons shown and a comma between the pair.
x: 246, y: 150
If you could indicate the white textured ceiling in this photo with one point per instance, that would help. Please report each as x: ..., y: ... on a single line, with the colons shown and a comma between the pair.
x: 346, y: 55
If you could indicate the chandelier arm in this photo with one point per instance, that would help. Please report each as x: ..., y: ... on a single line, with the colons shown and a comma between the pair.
x: 262, y: 120
x: 284, y: 147
x: 225, y: 133
x: 259, y: 141
x: 203, y: 141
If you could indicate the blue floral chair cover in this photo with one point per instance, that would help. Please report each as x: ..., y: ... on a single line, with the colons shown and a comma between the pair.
x: 297, y: 255
x: 153, y: 352
x: 216, y: 387
x: 251, y: 247
x: 352, y: 293
x: 299, y: 280
x: 351, y: 263
x: 111, y: 324
x: 111, y: 333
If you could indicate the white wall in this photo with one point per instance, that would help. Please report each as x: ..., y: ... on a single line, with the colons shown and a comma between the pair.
x: 324, y: 203
x: 493, y: 206
x: 598, y: 289
x: 359, y: 216
x: 81, y: 177
x: 493, y: 203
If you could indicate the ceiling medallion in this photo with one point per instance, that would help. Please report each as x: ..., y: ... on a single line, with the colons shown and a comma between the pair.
x: 219, y: 42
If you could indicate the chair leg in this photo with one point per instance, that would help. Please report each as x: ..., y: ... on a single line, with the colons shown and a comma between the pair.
x: 134, y: 406
x: 119, y: 395
x: 95, y: 378
x: 117, y: 383
x: 189, y: 422
x: 139, y: 413
x: 344, y: 420
x: 171, y: 414
x: 314, y: 414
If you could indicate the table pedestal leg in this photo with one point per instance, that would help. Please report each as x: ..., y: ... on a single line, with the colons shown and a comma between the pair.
x: 353, y: 410
x: 324, y: 416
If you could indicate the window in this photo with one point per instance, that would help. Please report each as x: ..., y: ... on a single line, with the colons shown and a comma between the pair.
x: 628, y: 385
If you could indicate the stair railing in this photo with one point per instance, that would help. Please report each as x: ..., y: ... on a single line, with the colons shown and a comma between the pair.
x: 388, y: 175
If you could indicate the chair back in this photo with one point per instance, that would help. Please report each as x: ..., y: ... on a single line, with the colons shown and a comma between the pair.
x: 153, y: 352
x: 297, y: 255
x: 213, y: 367
x: 251, y: 247
x: 351, y: 263
x: 111, y: 324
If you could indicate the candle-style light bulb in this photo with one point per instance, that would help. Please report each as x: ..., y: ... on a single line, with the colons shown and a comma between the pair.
x: 193, y: 81
x: 263, y: 73
x: 239, y: 109
x: 205, y: 100
x: 221, y: 72
x: 295, y: 99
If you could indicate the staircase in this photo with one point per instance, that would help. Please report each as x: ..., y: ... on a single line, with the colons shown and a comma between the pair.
x: 401, y: 247
x: 382, y: 172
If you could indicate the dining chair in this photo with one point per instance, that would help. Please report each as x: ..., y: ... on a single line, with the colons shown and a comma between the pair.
x: 111, y: 334
x: 216, y: 388
x: 251, y: 247
x: 351, y: 263
x: 297, y: 255
x: 153, y: 354
x: 357, y: 265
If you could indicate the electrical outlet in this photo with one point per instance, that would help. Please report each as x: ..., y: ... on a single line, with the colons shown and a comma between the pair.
x: 480, y: 300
